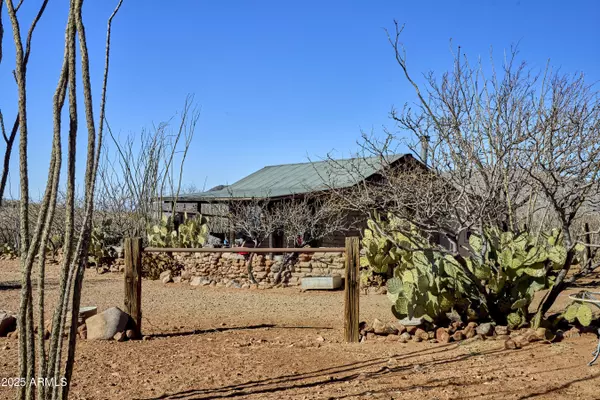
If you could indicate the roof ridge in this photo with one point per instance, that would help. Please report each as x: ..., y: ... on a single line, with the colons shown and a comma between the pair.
x: 334, y: 160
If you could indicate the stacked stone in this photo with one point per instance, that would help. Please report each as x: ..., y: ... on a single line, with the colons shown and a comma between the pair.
x: 221, y: 268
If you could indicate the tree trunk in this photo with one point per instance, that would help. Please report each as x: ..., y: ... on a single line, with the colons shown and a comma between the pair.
x: 559, y: 285
x: 250, y: 273
x: 290, y: 259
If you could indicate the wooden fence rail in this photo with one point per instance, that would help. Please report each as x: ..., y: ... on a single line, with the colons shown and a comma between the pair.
x: 245, y: 250
x: 133, y: 275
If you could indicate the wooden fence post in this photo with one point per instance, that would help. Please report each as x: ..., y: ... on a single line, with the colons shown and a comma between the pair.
x: 352, y: 291
x: 133, y: 282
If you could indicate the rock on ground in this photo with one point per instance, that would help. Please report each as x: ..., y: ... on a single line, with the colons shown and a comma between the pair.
x: 8, y: 323
x: 196, y: 281
x: 106, y: 324
x: 166, y: 277
x: 485, y: 329
x: 378, y: 327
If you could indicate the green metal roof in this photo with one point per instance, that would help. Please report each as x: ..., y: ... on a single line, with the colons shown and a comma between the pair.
x: 290, y: 179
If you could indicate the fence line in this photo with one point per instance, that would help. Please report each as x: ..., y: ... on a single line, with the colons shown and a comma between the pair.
x: 133, y: 276
x: 245, y: 250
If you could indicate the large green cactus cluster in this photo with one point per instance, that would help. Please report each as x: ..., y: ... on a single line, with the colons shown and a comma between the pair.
x: 497, y: 279
x: 428, y: 286
x: 192, y: 233
x: 380, y: 253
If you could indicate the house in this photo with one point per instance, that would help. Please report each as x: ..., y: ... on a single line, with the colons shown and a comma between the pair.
x: 287, y: 181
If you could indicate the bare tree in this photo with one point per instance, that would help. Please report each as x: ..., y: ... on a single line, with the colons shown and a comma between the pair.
x: 513, y: 149
x: 255, y: 221
x: 561, y: 149
x: 143, y: 169
x: 307, y: 219
x: 302, y: 220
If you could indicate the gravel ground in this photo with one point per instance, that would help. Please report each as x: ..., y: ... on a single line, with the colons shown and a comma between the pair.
x: 210, y: 343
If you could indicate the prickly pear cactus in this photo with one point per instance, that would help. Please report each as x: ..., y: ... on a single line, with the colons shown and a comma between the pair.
x: 570, y: 313
x: 379, y: 254
x: 100, y: 253
x: 192, y: 233
x: 499, y: 277
x: 584, y: 315
x: 514, y: 320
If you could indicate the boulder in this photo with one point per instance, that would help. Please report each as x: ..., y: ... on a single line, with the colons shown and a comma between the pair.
x: 511, y: 345
x: 8, y: 323
x: 442, y: 335
x: 411, y: 322
x: 572, y: 333
x: 405, y: 337
x: 501, y: 330
x: 391, y: 329
x: 186, y: 275
x: 392, y: 338
x: 421, y: 334
x: 378, y: 327
x: 401, y: 328
x: 85, y: 313
x: 543, y: 334
x: 485, y: 329
x: 105, y: 325
x: 469, y: 332
x: 166, y: 277
x: 458, y: 336
x: 196, y: 281
x: 411, y: 329
x: 120, y: 337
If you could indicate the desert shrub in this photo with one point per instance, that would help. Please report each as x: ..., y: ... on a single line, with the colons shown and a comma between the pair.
x: 496, y: 281
x: 153, y: 264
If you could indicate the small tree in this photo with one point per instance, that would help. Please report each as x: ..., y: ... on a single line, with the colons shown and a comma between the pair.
x: 255, y: 221
x: 144, y: 168
x: 301, y: 219
x: 307, y: 220
x: 509, y: 149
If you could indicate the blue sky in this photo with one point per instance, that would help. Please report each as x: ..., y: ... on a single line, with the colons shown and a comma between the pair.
x: 280, y: 81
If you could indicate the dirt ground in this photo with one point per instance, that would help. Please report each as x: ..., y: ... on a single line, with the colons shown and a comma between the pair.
x: 211, y: 343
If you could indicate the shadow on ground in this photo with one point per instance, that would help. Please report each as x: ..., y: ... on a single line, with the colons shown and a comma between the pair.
x: 9, y: 286
x: 233, y: 328
x: 374, y: 369
x: 326, y: 376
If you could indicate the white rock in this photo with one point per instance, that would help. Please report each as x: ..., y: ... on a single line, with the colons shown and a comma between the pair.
x: 196, y: 281
x: 165, y: 277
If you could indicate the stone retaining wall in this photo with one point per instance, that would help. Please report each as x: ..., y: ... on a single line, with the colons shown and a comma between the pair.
x: 223, y: 268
